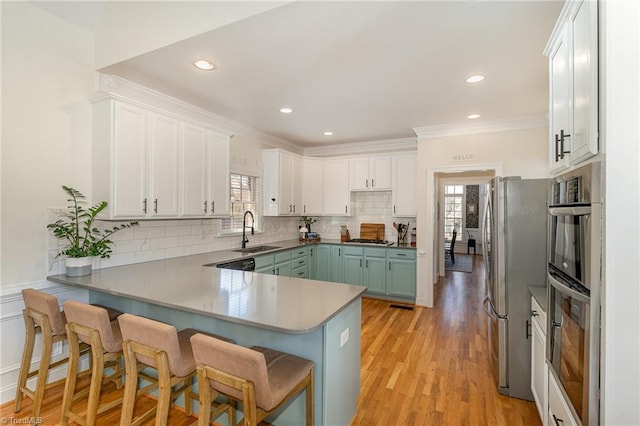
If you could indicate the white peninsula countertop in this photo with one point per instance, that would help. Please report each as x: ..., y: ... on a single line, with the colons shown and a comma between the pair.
x: 277, y: 303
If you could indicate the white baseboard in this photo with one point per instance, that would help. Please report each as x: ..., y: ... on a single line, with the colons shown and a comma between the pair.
x: 12, y: 332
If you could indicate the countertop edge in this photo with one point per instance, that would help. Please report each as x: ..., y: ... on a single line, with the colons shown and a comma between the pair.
x: 540, y: 295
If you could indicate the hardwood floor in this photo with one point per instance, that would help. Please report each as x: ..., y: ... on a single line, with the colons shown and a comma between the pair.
x: 419, y: 367
x: 431, y: 366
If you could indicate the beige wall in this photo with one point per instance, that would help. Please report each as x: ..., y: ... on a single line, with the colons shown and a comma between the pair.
x: 510, y: 153
x: 47, y: 68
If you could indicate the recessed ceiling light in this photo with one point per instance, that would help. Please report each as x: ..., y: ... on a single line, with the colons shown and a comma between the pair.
x: 286, y: 110
x: 473, y: 116
x: 328, y: 133
x: 203, y: 64
x: 475, y: 78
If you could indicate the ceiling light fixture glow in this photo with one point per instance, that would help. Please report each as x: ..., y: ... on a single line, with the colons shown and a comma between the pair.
x: 475, y: 78
x: 203, y: 64
x: 473, y: 116
x: 328, y: 133
x: 286, y: 110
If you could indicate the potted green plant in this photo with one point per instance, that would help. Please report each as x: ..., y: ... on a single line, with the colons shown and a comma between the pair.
x: 308, y: 221
x: 84, y: 240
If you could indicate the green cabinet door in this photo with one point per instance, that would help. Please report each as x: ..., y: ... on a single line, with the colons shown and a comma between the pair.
x: 352, y: 265
x: 335, y: 264
x: 322, y: 263
x: 283, y: 268
x: 313, y: 254
x: 264, y: 264
x: 401, y: 277
x: 375, y: 274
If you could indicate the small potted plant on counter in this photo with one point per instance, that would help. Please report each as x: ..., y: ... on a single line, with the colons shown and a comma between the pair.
x: 308, y: 221
x: 84, y: 240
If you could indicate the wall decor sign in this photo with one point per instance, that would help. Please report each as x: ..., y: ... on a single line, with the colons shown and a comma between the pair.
x: 462, y: 157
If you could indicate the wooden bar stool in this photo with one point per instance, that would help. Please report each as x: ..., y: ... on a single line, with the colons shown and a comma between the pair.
x: 91, y: 325
x: 41, y: 315
x: 263, y: 379
x: 150, y: 343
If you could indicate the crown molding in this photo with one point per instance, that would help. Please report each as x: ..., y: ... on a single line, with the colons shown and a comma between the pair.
x: 486, y: 126
x: 359, y: 148
x: 114, y: 86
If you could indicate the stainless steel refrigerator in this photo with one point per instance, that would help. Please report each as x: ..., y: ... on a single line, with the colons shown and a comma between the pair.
x: 514, y: 230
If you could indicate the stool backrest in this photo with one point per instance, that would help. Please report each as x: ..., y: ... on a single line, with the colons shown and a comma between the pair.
x: 157, y: 335
x: 96, y: 318
x: 237, y: 360
x: 46, y: 304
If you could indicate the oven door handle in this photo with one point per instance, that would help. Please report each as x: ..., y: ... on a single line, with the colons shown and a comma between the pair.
x: 570, y: 211
x: 486, y: 305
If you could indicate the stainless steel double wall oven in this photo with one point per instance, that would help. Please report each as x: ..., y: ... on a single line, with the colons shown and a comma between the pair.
x: 574, y: 271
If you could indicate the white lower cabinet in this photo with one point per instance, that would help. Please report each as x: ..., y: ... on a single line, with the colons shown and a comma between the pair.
x: 559, y: 413
x: 539, y: 369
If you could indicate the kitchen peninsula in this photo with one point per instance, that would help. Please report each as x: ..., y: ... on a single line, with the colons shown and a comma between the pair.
x: 313, y: 319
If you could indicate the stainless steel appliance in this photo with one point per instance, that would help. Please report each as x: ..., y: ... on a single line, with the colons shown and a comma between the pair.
x: 573, y: 329
x: 514, y: 249
x: 246, y: 264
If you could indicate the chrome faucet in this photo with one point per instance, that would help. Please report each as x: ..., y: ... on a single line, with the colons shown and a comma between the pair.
x: 245, y: 240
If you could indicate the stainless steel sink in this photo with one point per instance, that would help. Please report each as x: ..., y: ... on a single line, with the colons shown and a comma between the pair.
x: 256, y: 249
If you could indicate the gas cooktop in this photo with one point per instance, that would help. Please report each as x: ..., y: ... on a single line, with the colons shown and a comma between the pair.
x: 370, y: 241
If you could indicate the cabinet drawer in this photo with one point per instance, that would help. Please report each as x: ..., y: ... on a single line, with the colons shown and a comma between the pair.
x: 299, y: 252
x: 300, y: 272
x: 375, y: 252
x: 264, y: 261
x: 282, y: 256
x: 299, y: 262
x: 541, y: 318
x: 559, y: 411
x: 401, y: 254
x: 352, y: 251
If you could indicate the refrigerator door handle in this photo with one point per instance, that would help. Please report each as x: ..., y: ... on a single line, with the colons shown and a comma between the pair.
x: 490, y: 311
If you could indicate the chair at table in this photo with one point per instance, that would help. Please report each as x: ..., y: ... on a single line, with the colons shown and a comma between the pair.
x: 263, y: 379
x: 449, y: 247
x: 41, y: 315
x: 91, y: 325
x: 150, y: 343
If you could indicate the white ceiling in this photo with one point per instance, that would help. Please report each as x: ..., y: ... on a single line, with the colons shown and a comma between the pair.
x: 364, y: 70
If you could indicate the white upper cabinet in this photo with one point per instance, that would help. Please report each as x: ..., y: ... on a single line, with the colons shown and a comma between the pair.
x: 205, y: 172
x: 149, y: 164
x: 163, y: 166
x: 282, y: 183
x: 312, y: 176
x: 335, y: 188
x: 370, y: 173
x: 194, y: 169
x: 218, y: 174
x: 404, y: 185
x: 573, y: 85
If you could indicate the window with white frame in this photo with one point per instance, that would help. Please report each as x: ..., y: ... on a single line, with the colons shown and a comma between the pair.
x: 244, y: 196
x: 453, y: 210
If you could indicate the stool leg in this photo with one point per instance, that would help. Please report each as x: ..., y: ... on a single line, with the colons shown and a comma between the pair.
x: 97, y: 374
x: 164, y: 389
x: 130, y: 385
x: 309, y: 400
x: 72, y: 370
x: 27, y: 353
x: 204, y: 391
x: 43, y: 371
x: 188, y: 404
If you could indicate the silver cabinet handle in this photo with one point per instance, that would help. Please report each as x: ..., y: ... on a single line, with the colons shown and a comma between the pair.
x: 144, y: 205
x: 205, y: 206
x: 372, y: 184
x: 558, y: 421
x: 213, y: 206
x: 155, y: 205
x: 361, y: 263
x: 366, y: 184
x: 534, y: 313
x: 345, y: 209
x: 366, y: 263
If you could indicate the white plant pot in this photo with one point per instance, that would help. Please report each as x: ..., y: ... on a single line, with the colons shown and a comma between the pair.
x: 78, y: 266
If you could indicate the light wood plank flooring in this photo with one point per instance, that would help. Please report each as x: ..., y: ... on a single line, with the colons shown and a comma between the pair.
x: 419, y: 367
x: 431, y: 366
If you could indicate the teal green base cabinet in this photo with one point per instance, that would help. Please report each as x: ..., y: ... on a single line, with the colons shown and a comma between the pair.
x: 328, y: 263
x: 375, y: 268
x: 401, y: 273
x: 352, y: 265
